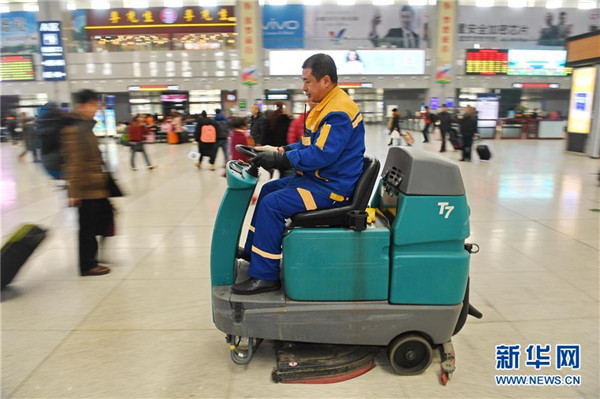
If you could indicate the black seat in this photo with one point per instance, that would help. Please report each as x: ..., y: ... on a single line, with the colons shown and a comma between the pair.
x: 338, y: 217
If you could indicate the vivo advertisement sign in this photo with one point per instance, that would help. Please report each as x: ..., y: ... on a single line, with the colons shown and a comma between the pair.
x: 353, y: 62
x: 51, y: 49
x: 283, y: 26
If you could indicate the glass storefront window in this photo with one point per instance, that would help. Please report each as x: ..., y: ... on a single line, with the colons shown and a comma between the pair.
x: 157, y: 42
x: 130, y: 43
x: 34, y: 100
x: 207, y: 41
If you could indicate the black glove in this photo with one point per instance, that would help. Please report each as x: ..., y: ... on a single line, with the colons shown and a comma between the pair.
x: 271, y: 160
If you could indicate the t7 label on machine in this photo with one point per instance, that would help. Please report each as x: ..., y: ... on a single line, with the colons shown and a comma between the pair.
x: 445, y: 209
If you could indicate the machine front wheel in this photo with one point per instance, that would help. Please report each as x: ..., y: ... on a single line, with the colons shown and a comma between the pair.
x: 409, y: 354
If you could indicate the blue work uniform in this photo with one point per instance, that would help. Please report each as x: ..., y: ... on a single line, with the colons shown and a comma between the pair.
x: 328, y: 163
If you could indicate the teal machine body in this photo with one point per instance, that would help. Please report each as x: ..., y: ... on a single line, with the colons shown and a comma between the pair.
x: 228, y: 226
x: 406, y: 273
x: 413, y: 254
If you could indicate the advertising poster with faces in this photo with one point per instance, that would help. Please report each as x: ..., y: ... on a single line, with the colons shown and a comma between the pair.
x: 398, y: 26
x: 531, y: 27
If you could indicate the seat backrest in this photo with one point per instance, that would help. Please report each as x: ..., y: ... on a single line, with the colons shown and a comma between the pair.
x: 338, y: 217
x: 365, y: 184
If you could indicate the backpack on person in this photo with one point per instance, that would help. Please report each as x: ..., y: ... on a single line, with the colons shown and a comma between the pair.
x: 222, y: 129
x: 50, y: 123
x: 208, y: 134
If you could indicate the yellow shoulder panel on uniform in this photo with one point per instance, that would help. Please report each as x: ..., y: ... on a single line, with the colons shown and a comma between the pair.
x: 338, y: 102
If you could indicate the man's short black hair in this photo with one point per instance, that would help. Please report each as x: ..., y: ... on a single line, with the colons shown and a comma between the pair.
x: 444, y: 104
x: 85, y: 96
x: 407, y: 8
x: 217, y: 111
x: 395, y: 110
x: 238, y: 122
x: 321, y: 65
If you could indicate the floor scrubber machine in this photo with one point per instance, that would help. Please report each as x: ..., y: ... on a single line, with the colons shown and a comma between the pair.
x: 354, y: 281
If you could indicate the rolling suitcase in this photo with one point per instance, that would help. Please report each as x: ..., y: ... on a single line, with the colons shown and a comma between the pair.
x: 484, y: 152
x: 17, y: 250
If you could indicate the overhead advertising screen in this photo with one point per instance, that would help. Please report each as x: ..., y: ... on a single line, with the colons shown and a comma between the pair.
x: 353, y: 62
x: 582, y: 99
x: 173, y: 98
x: 486, y: 62
x: 16, y: 67
x: 537, y: 62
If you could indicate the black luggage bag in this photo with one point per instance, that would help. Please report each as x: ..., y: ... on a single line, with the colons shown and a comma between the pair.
x: 455, y: 139
x: 484, y: 152
x: 17, y: 250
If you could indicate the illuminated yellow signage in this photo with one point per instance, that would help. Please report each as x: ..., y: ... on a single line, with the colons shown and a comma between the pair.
x: 582, y: 99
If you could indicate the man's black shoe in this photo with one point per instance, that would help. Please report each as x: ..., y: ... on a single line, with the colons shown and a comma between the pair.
x: 241, y: 254
x: 254, y: 286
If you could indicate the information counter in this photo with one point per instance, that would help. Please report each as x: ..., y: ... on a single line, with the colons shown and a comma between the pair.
x: 552, y: 129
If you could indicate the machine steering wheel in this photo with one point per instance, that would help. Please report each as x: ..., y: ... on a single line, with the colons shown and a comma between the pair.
x: 250, y: 152
x: 246, y: 150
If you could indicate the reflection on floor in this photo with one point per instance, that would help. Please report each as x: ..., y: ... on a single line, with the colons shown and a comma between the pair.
x: 145, y: 330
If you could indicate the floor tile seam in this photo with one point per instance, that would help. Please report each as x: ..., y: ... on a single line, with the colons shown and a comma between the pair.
x: 517, y: 248
x: 30, y: 330
x: 169, y: 232
x: 146, y: 329
x: 545, y: 320
x: 564, y: 234
x: 42, y: 361
x: 168, y: 279
x: 72, y: 331
x: 504, y: 207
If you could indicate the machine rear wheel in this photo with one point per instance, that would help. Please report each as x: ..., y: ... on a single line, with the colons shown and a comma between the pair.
x: 409, y: 354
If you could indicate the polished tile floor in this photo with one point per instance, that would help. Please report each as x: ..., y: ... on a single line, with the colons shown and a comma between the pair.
x: 145, y: 330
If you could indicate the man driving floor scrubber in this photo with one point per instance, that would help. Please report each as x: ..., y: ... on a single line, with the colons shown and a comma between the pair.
x: 328, y: 162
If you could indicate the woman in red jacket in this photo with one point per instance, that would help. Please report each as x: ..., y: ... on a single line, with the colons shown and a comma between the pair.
x: 295, y: 130
x: 137, y: 131
x: 238, y: 137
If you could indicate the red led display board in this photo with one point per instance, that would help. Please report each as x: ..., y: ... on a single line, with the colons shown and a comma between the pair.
x: 16, y: 67
x: 487, y: 62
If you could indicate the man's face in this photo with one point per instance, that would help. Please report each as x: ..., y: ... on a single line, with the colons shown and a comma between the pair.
x: 254, y: 110
x: 549, y: 18
x: 315, y: 89
x: 562, y: 19
x: 406, y: 18
x: 89, y: 109
x: 141, y: 119
x: 444, y: 109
